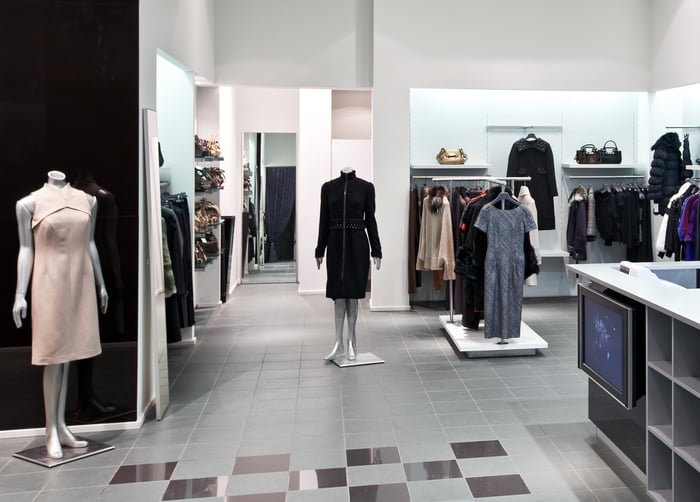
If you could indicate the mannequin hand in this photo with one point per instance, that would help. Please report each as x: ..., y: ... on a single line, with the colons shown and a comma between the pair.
x: 104, y: 299
x: 377, y: 262
x: 318, y: 262
x: 19, y: 309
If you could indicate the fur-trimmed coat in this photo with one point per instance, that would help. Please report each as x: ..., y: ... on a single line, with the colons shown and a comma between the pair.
x: 436, y: 247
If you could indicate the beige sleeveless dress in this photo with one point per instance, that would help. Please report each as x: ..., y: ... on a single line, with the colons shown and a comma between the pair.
x: 64, y: 297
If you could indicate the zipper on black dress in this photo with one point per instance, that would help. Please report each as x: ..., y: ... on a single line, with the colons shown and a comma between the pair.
x: 342, y: 255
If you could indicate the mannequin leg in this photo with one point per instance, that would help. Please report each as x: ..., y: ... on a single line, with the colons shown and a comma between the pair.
x: 53, y: 376
x: 339, y: 309
x: 65, y: 436
x: 352, y: 320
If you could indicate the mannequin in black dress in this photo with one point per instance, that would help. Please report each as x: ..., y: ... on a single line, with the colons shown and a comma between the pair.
x: 348, y: 231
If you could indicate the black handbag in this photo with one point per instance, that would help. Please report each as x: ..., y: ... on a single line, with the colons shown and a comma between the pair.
x: 610, y: 154
x: 588, y: 154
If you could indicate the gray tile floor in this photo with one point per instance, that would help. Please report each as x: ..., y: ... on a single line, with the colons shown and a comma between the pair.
x: 272, y: 273
x: 255, y: 384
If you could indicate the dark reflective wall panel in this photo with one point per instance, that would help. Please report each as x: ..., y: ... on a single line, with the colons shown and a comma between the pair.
x: 69, y: 102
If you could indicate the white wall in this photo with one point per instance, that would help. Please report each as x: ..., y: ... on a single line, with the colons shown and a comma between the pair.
x: 510, y: 44
x: 207, y: 112
x: 313, y: 169
x: 673, y: 33
x: 280, y: 149
x: 293, y: 44
x: 254, y: 109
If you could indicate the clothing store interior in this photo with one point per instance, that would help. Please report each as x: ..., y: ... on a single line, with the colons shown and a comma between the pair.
x: 364, y: 251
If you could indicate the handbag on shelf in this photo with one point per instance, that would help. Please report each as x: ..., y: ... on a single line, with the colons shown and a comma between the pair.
x: 588, y: 154
x: 610, y: 154
x: 451, y: 156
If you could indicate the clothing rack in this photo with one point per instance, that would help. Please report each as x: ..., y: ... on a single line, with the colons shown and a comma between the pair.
x: 496, y: 180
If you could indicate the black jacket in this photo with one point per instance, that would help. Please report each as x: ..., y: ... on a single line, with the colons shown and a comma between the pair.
x: 535, y: 159
x: 347, y: 211
x: 667, y: 171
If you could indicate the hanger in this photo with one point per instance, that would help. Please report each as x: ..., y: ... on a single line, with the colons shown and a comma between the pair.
x: 531, y: 137
x: 506, y: 197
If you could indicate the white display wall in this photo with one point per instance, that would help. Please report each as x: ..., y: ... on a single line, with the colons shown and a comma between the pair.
x: 486, y: 124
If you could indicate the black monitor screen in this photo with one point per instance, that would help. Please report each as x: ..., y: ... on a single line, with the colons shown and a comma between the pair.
x: 604, y: 347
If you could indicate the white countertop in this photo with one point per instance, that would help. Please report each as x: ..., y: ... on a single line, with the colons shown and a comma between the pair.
x: 677, y: 302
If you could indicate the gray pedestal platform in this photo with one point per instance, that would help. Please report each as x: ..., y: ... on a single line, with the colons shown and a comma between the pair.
x: 37, y: 455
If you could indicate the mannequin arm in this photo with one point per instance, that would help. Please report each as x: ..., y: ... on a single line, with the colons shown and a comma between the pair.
x: 377, y: 262
x: 95, y: 259
x: 25, y: 260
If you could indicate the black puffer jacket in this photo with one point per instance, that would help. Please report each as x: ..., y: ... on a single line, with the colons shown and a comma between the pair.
x: 667, y: 171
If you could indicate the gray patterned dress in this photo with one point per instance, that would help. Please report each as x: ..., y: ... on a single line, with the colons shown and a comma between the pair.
x: 504, y: 268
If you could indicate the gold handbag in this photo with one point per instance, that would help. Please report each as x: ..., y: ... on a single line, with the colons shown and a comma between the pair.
x: 451, y: 156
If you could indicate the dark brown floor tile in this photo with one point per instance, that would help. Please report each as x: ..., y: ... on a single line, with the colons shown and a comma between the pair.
x: 179, y: 489
x: 373, y: 456
x: 262, y: 463
x: 497, y: 486
x: 262, y: 497
x: 397, y: 492
x: 143, y: 472
x: 476, y: 449
x: 313, y: 479
x: 438, y: 469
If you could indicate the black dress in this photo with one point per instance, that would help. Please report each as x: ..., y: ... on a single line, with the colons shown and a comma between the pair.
x: 347, y: 219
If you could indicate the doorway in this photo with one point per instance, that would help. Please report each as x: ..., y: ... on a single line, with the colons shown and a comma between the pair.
x: 269, y: 202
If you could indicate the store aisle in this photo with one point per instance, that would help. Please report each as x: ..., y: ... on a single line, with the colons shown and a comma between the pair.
x: 257, y: 416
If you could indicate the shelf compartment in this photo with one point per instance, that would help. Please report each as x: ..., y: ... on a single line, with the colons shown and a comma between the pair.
x: 452, y: 167
x: 662, y: 367
x: 686, y: 347
x: 659, y: 393
x: 659, y: 469
x: 663, y: 433
x: 575, y: 165
x: 686, y: 481
x: 686, y: 426
x: 659, y: 340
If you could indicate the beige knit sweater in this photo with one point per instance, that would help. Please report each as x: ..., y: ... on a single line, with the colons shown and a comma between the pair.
x: 436, y: 248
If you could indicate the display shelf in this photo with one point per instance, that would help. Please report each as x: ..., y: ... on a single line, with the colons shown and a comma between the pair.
x: 659, y: 346
x: 208, y: 191
x: 663, y: 433
x: 686, y: 347
x: 575, y: 165
x: 691, y: 454
x: 452, y: 167
x: 686, y: 426
x: 659, y: 390
x: 554, y: 253
x: 208, y: 159
x: 691, y: 384
x: 207, y: 284
x: 662, y: 495
x: 661, y: 367
x: 686, y: 481
x: 660, y: 479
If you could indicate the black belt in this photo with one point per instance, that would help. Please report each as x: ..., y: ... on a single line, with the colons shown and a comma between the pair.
x: 349, y: 224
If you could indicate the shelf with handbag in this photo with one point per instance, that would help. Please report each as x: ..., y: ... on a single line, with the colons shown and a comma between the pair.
x: 207, y: 228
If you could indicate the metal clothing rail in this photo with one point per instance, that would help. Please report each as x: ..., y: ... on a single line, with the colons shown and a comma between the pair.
x: 606, y: 177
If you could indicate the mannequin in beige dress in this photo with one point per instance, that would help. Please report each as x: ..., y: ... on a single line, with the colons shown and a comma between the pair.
x: 55, y: 378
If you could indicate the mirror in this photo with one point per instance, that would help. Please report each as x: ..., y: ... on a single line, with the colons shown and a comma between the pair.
x: 269, y: 203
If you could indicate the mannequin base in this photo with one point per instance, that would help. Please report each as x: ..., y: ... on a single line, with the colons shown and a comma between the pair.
x: 38, y: 455
x: 361, y: 359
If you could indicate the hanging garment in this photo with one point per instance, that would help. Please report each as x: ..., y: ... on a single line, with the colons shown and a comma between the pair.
x: 346, y: 221
x: 64, y: 299
x: 590, y: 217
x: 472, y: 254
x: 577, y: 226
x: 528, y: 202
x: 436, y: 248
x: 667, y: 171
x: 535, y: 159
x: 413, y: 241
x: 112, y: 322
x: 505, y: 268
